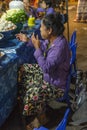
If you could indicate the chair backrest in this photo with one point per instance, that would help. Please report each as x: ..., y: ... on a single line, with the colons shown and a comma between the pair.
x: 73, y: 48
x: 73, y: 53
x: 73, y: 39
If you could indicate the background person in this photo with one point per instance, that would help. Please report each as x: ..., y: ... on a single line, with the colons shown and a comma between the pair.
x: 47, y: 5
x: 29, y: 9
x: 81, y: 15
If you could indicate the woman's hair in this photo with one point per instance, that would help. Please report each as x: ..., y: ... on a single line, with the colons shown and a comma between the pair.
x: 54, y: 21
x: 48, y: 2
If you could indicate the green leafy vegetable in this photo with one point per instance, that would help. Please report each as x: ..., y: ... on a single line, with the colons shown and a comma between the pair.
x: 16, y: 16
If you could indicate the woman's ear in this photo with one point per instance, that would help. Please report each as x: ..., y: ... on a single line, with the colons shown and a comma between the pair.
x: 50, y: 31
x: 47, y: 6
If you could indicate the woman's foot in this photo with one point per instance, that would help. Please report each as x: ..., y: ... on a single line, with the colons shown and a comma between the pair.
x: 76, y: 20
x: 34, y: 124
x: 38, y: 121
x: 43, y: 119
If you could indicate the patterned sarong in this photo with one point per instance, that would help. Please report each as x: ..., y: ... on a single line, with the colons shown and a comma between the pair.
x: 34, y: 91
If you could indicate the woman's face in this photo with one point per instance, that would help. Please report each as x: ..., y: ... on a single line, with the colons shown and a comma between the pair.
x: 43, y: 5
x: 26, y: 4
x: 45, y: 33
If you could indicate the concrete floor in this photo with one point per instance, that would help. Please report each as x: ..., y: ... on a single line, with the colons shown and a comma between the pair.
x: 81, y: 38
x: 15, y: 122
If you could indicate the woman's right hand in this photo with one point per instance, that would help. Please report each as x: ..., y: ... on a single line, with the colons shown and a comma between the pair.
x: 22, y: 37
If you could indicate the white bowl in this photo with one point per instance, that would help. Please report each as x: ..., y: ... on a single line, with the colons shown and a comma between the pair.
x: 1, y: 37
x: 8, y: 33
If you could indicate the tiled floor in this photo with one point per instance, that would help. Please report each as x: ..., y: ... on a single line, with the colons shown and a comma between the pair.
x: 15, y: 122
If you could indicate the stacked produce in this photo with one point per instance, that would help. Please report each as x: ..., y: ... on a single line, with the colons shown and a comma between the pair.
x: 15, y: 16
x: 6, y: 26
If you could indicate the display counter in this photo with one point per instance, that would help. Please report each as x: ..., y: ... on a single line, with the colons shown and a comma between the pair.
x: 8, y: 86
x: 16, y: 53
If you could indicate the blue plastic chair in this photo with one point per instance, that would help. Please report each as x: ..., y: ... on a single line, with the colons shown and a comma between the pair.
x: 61, y: 125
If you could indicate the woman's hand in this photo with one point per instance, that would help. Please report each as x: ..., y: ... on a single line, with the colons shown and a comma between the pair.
x: 22, y: 37
x: 35, y: 41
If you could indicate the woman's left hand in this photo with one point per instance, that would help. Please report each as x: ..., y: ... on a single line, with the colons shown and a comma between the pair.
x: 35, y: 41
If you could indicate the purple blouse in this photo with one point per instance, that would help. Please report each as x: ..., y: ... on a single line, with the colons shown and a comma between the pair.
x: 50, y: 11
x: 32, y: 12
x: 47, y: 11
x: 54, y: 61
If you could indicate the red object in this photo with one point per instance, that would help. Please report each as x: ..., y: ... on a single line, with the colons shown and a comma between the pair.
x: 36, y: 3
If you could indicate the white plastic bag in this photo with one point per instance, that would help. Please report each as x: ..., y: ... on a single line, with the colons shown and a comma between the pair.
x: 15, y: 4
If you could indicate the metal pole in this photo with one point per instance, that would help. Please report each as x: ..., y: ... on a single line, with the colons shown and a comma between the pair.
x: 68, y: 19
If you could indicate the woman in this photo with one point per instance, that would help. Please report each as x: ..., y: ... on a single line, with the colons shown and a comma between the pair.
x: 81, y: 15
x: 29, y: 10
x: 46, y: 80
x: 40, y: 10
x: 44, y: 8
x: 47, y: 5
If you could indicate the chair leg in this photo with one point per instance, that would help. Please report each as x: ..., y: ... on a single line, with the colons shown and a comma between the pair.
x: 63, y: 123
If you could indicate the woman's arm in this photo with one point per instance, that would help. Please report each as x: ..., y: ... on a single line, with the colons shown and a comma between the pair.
x: 55, y: 56
x: 22, y: 37
x: 30, y: 41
